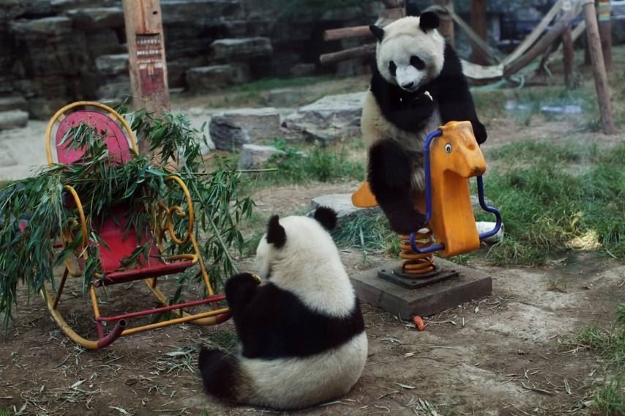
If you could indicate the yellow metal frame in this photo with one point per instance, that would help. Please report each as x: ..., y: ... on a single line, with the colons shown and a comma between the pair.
x: 161, y: 231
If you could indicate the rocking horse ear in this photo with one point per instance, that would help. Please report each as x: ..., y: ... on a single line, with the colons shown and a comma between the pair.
x: 275, y: 232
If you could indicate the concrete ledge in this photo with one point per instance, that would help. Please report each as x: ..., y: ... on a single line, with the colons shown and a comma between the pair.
x: 469, y: 285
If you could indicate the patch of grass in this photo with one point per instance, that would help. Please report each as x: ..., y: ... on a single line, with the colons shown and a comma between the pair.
x: 547, y: 209
x: 608, y: 399
x: 367, y: 230
x: 533, y: 151
x: 320, y: 164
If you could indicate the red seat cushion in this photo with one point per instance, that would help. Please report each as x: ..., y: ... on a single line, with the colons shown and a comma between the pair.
x: 118, y: 244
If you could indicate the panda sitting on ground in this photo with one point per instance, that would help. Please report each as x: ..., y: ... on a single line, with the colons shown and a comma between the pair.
x: 302, y: 333
x: 417, y: 86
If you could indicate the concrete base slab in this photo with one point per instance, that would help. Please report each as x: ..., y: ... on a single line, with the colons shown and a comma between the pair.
x: 463, y: 285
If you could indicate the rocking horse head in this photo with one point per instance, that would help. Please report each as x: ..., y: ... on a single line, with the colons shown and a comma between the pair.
x: 457, y: 151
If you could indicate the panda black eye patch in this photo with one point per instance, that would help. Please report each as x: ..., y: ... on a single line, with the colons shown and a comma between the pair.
x: 392, y: 68
x: 417, y: 62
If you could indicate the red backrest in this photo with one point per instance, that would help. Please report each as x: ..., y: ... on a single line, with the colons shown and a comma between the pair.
x: 116, y: 141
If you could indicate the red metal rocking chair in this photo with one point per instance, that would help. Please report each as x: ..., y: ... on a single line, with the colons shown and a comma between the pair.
x: 118, y: 242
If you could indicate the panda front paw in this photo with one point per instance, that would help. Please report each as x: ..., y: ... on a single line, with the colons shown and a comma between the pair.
x: 424, y: 103
x: 240, y: 288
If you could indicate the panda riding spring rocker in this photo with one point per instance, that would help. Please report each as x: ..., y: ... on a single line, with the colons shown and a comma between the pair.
x: 422, y: 135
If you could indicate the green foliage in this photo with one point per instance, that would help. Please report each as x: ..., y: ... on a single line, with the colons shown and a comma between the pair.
x: 548, y: 207
x: 321, y: 164
x: 102, y: 184
x: 366, y: 229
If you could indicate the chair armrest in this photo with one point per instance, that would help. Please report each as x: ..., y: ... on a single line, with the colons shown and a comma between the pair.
x: 176, y: 210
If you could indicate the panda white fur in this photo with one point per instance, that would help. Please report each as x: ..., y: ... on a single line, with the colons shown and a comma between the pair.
x: 417, y: 86
x: 302, y: 332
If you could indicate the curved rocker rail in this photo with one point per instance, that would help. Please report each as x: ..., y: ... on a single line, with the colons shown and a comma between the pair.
x: 164, y: 219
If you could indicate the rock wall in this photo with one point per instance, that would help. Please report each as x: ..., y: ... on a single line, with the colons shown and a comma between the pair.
x: 58, y: 51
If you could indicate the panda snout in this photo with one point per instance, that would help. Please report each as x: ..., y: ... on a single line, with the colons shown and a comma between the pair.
x: 407, y: 85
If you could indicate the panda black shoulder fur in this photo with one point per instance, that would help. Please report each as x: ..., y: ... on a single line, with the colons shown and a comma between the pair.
x: 417, y: 86
x: 302, y: 333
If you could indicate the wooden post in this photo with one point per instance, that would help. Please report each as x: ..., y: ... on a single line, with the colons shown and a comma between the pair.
x: 605, y: 32
x: 567, y: 47
x: 447, y: 24
x: 478, y: 23
x: 146, y: 56
x: 598, y: 68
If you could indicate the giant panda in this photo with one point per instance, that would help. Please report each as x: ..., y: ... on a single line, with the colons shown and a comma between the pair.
x: 417, y: 85
x: 302, y: 333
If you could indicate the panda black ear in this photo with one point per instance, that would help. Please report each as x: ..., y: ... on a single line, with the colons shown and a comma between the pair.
x: 275, y: 232
x: 327, y: 217
x: 377, y: 31
x: 429, y: 21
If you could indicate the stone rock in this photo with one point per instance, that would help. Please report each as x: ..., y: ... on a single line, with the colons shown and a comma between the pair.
x: 328, y: 119
x: 240, y: 49
x: 112, y: 64
x: 114, y: 90
x: 13, y: 119
x: 13, y: 103
x: 97, y: 18
x: 342, y: 14
x: 43, y: 109
x: 200, y: 12
x: 226, y: 135
x: 63, y: 5
x: 34, y: 9
x: 255, y: 156
x: 211, y: 78
x: 341, y: 203
x: 259, y: 123
x: 333, y: 110
x: 46, y: 27
x: 103, y: 42
x: 303, y: 70
x: 176, y: 69
x: 285, y: 97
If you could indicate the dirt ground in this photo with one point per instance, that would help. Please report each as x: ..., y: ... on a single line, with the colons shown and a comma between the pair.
x: 506, y: 354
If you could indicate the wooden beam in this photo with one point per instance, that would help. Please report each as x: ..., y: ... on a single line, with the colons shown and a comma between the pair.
x: 358, y: 52
x: 542, y: 44
x: 347, y: 32
x: 568, y: 54
x: 605, y: 32
x: 535, y: 34
x: 598, y: 68
x: 146, y: 54
x: 478, y: 23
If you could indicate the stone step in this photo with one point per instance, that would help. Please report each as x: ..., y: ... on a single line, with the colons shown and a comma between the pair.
x: 112, y: 64
x: 13, y: 119
x: 13, y: 103
x: 238, y: 49
x: 211, y: 78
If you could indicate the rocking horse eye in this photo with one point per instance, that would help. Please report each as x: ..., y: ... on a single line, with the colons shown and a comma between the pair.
x: 448, y: 148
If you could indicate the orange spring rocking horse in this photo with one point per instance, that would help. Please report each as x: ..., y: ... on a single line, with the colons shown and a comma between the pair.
x: 452, y: 156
